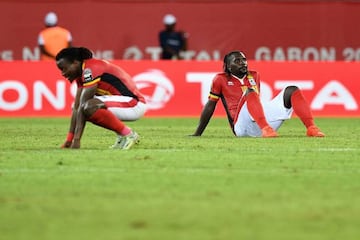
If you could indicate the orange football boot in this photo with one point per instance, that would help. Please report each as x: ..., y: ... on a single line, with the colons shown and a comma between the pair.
x: 268, y: 132
x: 314, y: 131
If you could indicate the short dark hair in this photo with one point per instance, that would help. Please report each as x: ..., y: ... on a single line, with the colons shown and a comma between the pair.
x: 74, y: 53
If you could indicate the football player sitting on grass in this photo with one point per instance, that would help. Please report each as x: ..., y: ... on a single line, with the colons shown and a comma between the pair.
x: 239, y: 88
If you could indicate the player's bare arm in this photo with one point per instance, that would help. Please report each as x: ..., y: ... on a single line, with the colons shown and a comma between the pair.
x: 68, y: 141
x: 86, y: 95
x: 205, y: 117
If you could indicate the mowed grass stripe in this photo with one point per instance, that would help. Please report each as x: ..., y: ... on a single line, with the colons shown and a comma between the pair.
x: 172, y: 186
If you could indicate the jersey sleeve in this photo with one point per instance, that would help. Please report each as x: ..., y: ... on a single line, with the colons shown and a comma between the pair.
x: 216, y: 89
x: 88, y: 78
x: 91, y: 75
x: 253, y: 79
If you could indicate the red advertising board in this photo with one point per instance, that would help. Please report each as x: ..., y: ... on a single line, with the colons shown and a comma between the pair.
x: 271, y: 30
x: 180, y: 88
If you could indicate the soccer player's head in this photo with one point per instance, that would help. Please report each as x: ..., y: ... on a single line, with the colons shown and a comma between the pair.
x: 74, y: 53
x: 69, y: 61
x: 235, y: 63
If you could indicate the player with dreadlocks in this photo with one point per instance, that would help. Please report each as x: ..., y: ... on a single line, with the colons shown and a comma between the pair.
x: 239, y: 89
x: 106, y: 96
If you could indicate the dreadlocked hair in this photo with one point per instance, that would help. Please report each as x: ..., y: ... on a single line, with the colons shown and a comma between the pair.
x: 74, y: 53
x: 226, y: 59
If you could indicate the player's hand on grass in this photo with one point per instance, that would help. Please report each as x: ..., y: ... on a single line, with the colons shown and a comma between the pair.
x: 194, y: 135
x: 68, y: 141
x: 66, y: 144
x: 75, y: 143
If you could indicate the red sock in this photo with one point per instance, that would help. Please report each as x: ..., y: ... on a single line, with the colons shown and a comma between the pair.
x: 301, y: 108
x: 255, y: 109
x: 106, y: 119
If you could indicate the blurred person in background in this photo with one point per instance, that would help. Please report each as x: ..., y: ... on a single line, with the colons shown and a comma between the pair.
x: 106, y: 96
x: 172, y: 42
x: 53, y: 38
x: 239, y: 91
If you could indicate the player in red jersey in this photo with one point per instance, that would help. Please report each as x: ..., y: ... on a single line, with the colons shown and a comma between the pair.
x: 239, y: 88
x: 106, y: 96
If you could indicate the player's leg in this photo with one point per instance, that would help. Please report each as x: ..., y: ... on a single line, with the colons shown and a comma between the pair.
x: 294, y: 98
x: 97, y: 113
x: 275, y: 111
x: 256, y: 111
x: 251, y: 120
x: 125, y: 109
x: 245, y: 126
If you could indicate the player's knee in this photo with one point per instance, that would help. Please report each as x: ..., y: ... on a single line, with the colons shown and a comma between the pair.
x: 89, y: 108
x: 287, y: 95
x: 290, y: 89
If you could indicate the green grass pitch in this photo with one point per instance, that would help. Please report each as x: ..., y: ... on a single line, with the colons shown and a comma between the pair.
x: 172, y: 186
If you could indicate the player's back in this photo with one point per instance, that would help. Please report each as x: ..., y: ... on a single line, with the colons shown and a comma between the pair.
x: 113, y: 79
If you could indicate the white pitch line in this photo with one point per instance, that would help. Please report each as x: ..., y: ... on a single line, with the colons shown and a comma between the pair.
x: 337, y: 149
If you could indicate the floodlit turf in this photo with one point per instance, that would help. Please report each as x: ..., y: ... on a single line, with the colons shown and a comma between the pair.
x: 172, y: 186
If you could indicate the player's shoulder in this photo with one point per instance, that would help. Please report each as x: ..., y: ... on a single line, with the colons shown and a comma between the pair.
x: 95, y: 66
x: 253, y: 74
x: 221, y: 75
x: 93, y: 62
x: 220, y: 79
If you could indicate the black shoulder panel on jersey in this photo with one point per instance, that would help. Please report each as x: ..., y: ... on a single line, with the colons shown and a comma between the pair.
x: 118, y: 84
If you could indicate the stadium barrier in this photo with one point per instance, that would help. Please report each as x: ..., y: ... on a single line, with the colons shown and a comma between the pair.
x: 180, y: 88
x: 214, y: 28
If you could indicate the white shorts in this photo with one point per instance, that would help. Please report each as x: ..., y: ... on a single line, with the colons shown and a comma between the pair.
x: 275, y: 114
x: 125, y: 108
